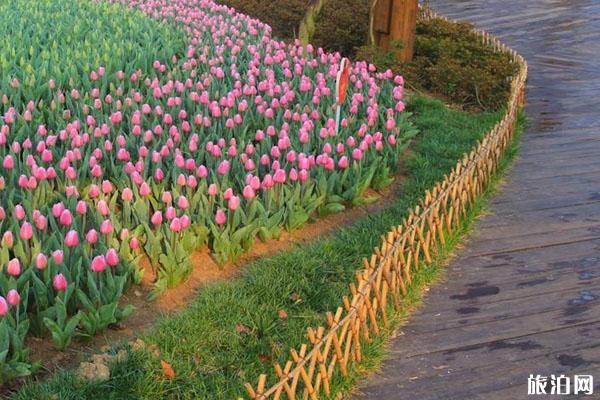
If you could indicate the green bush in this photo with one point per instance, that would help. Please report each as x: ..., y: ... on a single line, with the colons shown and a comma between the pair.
x: 341, y: 26
x: 450, y: 61
x: 284, y: 17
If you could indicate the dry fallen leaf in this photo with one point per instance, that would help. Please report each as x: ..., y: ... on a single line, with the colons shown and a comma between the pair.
x: 167, y: 369
x: 197, y: 360
x: 282, y: 314
x: 241, y: 328
x: 265, y: 359
x: 295, y: 298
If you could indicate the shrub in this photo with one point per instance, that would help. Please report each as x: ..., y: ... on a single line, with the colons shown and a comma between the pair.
x: 449, y: 60
x: 284, y: 19
x: 342, y: 25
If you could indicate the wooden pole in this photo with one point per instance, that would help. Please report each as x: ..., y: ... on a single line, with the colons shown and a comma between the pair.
x: 395, y: 21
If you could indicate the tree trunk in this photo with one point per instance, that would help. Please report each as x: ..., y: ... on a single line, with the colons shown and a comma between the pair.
x: 395, y: 21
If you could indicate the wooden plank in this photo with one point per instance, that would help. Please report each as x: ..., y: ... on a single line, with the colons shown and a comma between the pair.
x: 527, y: 241
x: 547, y: 221
x: 550, y: 344
x: 514, y: 361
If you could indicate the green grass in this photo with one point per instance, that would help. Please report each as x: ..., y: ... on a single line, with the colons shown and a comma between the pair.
x: 66, y: 39
x: 212, y: 359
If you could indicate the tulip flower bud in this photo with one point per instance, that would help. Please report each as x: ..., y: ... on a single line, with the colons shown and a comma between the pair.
x: 127, y: 195
x: 41, y: 261
x: 13, y: 297
x: 71, y: 238
x: 106, y: 227
x: 220, y: 217
x: 233, y: 203
x: 59, y: 282
x: 98, y: 264
x: 14, y: 267
x: 156, y: 218
x: 65, y: 218
x: 26, y: 232
x: 112, y: 258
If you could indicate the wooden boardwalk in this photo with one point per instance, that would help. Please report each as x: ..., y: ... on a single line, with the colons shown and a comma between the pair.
x: 523, y: 297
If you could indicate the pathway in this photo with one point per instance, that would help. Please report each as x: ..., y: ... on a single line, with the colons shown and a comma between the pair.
x: 523, y: 297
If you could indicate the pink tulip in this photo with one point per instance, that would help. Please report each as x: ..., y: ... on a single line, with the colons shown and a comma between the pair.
x: 41, y: 223
x: 267, y: 182
x: 57, y: 256
x: 248, y: 192
x: 343, y: 162
x: 124, y: 234
x: 357, y: 154
x: 212, y: 190
x: 14, y: 267
x: 91, y: 237
x: 185, y: 221
x: 170, y: 213
x: 65, y: 219
x: 156, y: 218
x: 81, y: 207
x: 107, y: 187
x: 175, y: 225
x: 167, y: 198
x: 71, y: 238
x: 279, y: 176
x: 3, y: 307
x: 98, y: 264
x: 223, y: 167
x: 112, y: 258
x: 144, y: 190
x: 127, y: 195
x: 26, y: 231
x: 182, y: 202
x: 59, y: 282
x: 94, y: 191
x: 233, y: 203
x: 202, y: 171
x: 134, y: 244
x: 255, y: 182
x: 41, y: 261
x: 8, y: 162
x: 19, y: 212
x: 13, y: 297
x: 102, y: 208
x: 220, y: 217
x: 106, y: 227
x: 303, y: 175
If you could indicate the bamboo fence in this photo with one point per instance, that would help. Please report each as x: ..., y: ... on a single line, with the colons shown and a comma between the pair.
x: 386, y: 276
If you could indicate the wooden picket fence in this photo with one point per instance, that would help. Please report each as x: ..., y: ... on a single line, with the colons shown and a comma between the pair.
x: 386, y: 276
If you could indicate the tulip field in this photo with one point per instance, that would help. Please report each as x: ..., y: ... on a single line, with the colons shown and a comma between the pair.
x: 153, y: 129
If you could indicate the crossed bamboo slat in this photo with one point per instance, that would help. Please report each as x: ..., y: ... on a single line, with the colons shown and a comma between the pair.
x: 331, y: 350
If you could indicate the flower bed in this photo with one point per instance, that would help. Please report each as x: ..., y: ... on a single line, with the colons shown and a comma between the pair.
x: 234, y: 141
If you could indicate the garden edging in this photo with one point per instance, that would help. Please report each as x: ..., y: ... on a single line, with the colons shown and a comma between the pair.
x: 403, y: 249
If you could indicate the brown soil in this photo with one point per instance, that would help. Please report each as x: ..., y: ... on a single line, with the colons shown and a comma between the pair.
x: 206, y: 271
